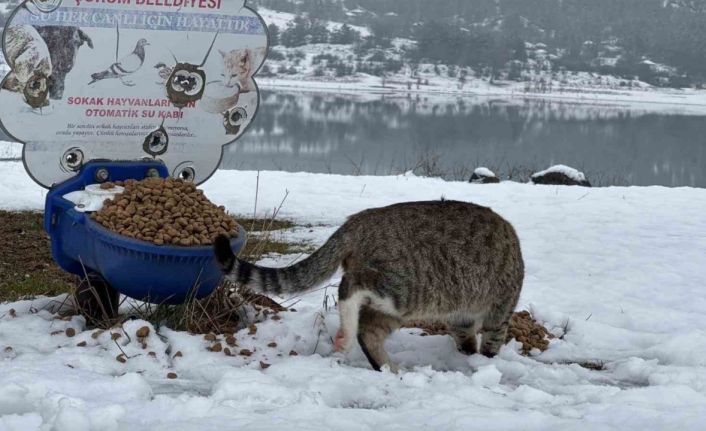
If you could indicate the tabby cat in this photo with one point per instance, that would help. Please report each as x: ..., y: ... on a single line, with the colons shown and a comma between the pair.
x: 447, y: 261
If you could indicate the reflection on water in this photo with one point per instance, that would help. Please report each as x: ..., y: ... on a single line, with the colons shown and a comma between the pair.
x: 380, y: 135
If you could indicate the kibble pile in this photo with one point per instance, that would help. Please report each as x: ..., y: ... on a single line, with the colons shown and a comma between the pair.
x: 522, y: 328
x: 165, y: 212
x: 528, y: 332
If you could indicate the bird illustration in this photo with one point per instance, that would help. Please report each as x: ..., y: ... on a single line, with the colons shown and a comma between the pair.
x: 124, y: 67
x: 163, y: 71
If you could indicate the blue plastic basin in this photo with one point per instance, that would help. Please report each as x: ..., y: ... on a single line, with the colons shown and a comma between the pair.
x: 138, y: 269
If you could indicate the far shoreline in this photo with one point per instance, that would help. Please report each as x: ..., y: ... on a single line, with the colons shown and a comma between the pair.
x: 652, y: 99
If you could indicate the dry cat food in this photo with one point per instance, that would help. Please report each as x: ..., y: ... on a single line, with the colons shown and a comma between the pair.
x: 165, y: 211
x: 527, y: 331
x: 522, y: 328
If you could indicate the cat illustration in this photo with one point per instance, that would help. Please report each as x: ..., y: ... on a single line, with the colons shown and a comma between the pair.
x: 447, y: 261
x: 239, y: 66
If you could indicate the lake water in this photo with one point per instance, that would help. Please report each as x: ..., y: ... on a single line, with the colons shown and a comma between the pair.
x: 381, y: 135
x: 377, y: 135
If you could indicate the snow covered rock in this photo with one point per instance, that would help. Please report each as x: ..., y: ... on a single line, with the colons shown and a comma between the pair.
x: 484, y: 176
x: 561, y: 175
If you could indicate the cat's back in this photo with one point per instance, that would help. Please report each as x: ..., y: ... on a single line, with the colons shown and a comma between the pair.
x: 442, y: 218
x: 432, y: 230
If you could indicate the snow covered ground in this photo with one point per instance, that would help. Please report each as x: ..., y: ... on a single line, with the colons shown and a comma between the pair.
x: 10, y: 150
x: 622, y: 269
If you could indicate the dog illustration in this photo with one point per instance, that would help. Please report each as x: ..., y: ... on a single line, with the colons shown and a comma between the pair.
x: 28, y: 56
x: 64, y: 44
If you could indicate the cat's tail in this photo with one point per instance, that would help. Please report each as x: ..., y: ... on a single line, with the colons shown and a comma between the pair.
x: 299, y: 277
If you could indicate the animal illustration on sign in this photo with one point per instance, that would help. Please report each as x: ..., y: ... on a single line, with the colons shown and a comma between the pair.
x: 238, y: 67
x: 124, y: 67
x: 63, y: 43
x: 28, y: 56
x: 163, y: 71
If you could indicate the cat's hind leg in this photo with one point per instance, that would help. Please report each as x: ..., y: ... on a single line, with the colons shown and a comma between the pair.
x: 350, y: 300
x: 374, y: 329
x: 464, y: 334
x: 495, y: 327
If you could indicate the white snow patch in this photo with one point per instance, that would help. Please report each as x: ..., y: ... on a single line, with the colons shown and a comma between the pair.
x: 487, y: 376
x: 10, y: 150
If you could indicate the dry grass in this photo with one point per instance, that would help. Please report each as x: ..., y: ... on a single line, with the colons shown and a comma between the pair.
x: 222, y: 312
x: 26, y: 266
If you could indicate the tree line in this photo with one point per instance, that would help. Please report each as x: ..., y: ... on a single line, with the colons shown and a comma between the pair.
x: 492, y: 34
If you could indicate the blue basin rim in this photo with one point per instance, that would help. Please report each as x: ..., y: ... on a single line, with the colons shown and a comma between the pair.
x: 116, y: 239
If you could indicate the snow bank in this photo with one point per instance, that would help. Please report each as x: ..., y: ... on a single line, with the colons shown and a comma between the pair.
x: 620, y: 269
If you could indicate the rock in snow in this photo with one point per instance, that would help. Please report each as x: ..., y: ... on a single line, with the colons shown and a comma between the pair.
x: 484, y: 176
x: 561, y: 175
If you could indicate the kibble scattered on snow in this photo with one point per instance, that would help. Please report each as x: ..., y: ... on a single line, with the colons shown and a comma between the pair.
x: 143, y: 332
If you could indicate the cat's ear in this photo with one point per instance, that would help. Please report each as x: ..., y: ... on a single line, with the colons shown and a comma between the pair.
x: 223, y: 53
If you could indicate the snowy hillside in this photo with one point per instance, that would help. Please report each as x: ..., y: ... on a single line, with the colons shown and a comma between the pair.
x: 616, y: 274
x: 336, y: 67
x: 282, y: 19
